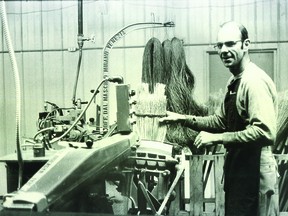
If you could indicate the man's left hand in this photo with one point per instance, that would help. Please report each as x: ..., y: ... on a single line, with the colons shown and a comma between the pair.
x: 207, y: 139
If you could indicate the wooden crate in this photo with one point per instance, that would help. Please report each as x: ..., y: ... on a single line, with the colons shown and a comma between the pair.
x: 282, y: 160
x: 199, y: 164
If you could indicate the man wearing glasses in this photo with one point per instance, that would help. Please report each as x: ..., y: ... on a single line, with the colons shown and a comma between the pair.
x: 246, y: 125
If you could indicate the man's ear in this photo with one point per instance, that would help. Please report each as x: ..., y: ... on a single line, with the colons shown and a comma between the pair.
x: 246, y: 44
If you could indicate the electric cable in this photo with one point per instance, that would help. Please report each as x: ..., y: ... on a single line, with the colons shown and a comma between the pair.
x: 81, y: 114
x: 42, y: 131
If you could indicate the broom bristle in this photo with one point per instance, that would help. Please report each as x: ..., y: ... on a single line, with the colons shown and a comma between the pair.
x: 282, y: 124
x: 148, y: 109
x: 152, y: 65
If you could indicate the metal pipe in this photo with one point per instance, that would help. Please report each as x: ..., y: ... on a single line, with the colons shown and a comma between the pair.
x: 80, y: 115
x: 80, y: 17
x: 80, y: 45
x: 105, y: 61
x: 77, y: 75
x: 137, y: 46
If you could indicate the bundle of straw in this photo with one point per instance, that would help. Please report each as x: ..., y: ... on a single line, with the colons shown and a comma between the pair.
x: 148, y: 109
x: 167, y: 59
x: 282, y: 124
x: 179, y: 91
x: 152, y: 65
x: 214, y: 101
x: 281, y: 147
x: 165, y: 64
x: 180, y: 86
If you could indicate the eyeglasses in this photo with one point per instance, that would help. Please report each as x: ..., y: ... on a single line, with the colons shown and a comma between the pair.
x: 228, y: 44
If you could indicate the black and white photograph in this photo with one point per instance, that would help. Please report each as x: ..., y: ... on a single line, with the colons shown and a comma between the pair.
x: 144, y: 107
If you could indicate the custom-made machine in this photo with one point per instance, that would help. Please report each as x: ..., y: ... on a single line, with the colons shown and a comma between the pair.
x: 92, y: 170
x: 118, y: 174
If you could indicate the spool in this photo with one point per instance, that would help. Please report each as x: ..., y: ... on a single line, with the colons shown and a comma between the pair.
x: 39, y: 150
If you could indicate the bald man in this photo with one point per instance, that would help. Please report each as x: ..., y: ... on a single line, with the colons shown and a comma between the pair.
x: 246, y: 125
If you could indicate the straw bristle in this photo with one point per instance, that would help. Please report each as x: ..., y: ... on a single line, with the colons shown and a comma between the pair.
x: 281, y: 147
x: 214, y: 101
x: 179, y: 91
x: 152, y: 65
x: 282, y: 124
x: 166, y: 64
x: 148, y: 109
x: 181, y: 83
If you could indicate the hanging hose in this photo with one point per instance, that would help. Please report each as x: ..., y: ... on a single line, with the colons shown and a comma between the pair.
x: 105, y: 61
x: 18, y: 90
x: 78, y: 118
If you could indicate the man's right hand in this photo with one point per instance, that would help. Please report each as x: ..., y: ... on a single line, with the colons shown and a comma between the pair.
x: 172, y: 117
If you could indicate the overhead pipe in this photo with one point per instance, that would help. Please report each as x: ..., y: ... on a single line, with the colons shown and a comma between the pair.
x: 80, y: 40
x: 105, y: 62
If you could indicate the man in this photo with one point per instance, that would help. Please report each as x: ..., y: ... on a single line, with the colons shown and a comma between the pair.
x: 246, y: 125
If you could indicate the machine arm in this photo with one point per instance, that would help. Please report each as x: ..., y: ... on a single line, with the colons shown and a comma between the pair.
x: 67, y: 171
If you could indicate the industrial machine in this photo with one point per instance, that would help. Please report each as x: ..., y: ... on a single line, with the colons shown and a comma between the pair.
x: 93, y: 170
x: 116, y: 174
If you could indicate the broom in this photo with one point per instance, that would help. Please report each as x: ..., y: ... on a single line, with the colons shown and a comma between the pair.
x: 148, y: 109
x: 179, y: 91
x: 150, y: 97
x: 152, y: 64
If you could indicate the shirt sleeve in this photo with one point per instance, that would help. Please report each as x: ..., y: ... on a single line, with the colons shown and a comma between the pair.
x: 256, y: 104
x: 214, y: 123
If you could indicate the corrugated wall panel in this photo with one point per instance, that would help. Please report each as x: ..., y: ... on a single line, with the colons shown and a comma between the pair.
x: 9, y: 106
x: 244, y: 12
x: 53, y: 77
x: 283, y: 20
x: 112, y: 20
x: 31, y: 25
x: 266, y: 21
x: 14, y: 21
x: 52, y: 25
x: 32, y: 96
x: 196, y: 58
x: 134, y: 12
x: 218, y: 15
x: 220, y: 11
x: 283, y: 67
x: 92, y: 76
x: 198, y: 22
x: 70, y: 62
x: 69, y: 24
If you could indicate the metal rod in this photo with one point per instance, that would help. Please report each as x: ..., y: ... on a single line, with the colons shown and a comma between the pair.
x: 179, y: 173
x: 146, y: 196
x: 80, y: 45
x: 135, y: 46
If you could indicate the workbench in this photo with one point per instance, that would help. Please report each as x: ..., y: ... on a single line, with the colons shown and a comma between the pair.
x: 31, y: 166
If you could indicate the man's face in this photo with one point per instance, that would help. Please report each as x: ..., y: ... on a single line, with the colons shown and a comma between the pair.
x: 229, y: 45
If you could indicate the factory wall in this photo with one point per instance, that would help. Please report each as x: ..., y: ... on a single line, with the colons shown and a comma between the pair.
x: 42, y: 32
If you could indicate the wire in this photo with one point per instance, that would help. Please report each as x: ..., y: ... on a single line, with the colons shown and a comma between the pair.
x: 175, y: 6
x: 42, y: 131
x: 81, y: 114
x: 50, y: 113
